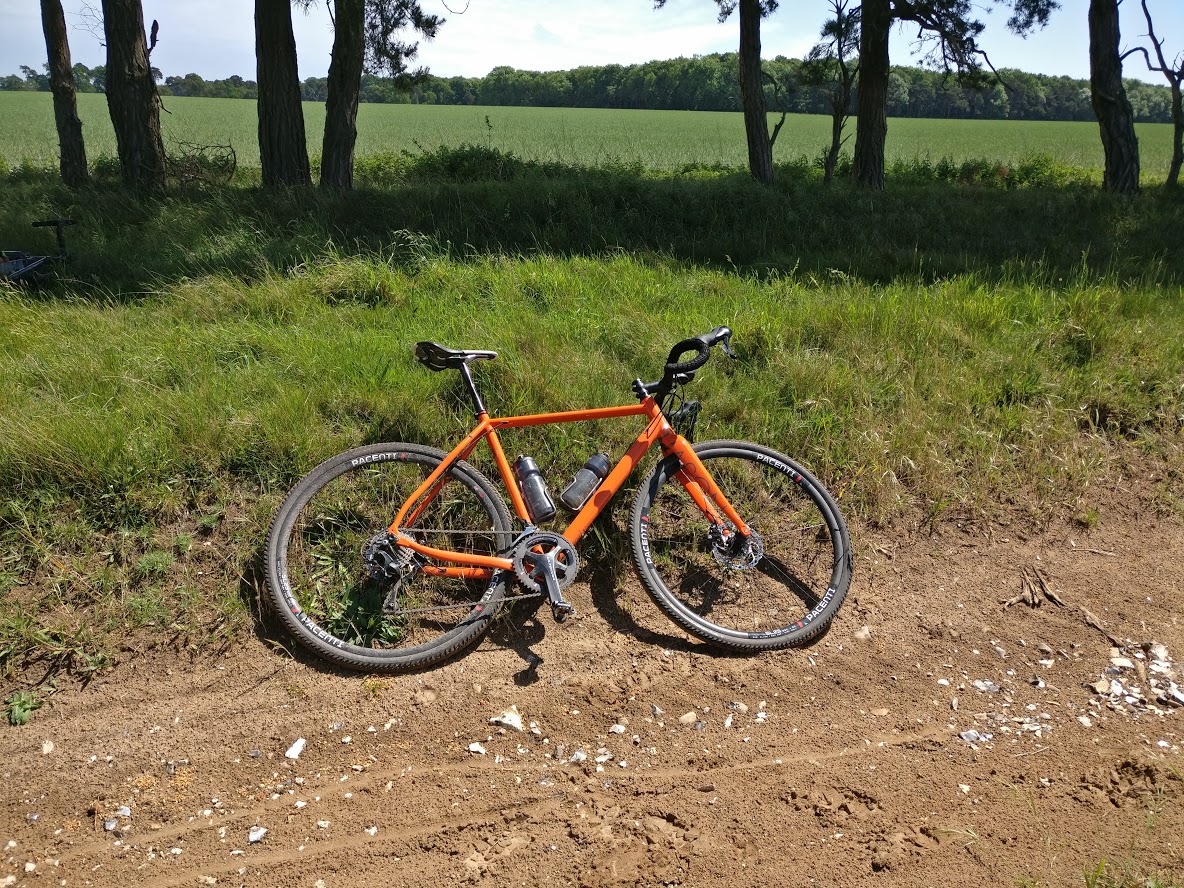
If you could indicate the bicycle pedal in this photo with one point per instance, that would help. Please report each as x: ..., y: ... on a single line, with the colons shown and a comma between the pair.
x: 563, y: 611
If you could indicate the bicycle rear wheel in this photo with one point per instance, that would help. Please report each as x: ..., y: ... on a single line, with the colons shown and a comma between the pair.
x: 781, y: 589
x: 317, y: 573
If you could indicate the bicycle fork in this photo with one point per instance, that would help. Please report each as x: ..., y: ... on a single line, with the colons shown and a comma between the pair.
x: 703, y: 490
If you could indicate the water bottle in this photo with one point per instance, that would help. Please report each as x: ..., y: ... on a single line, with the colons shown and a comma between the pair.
x: 587, y: 479
x: 534, y: 490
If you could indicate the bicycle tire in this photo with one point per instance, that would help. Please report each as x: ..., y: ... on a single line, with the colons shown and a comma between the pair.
x: 792, y: 590
x: 315, y: 572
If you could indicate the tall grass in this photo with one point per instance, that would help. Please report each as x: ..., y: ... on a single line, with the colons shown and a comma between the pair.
x: 946, y: 350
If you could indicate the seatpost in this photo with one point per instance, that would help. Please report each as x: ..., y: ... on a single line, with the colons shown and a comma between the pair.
x: 478, y: 406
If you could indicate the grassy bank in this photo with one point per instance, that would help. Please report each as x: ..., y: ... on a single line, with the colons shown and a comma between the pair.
x: 944, y: 350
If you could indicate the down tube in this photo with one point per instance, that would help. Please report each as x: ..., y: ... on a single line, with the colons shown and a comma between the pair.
x: 615, y: 479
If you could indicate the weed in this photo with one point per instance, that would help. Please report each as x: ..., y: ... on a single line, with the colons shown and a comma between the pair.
x: 21, y: 705
x: 154, y: 564
x: 1107, y: 874
x: 374, y: 687
x: 966, y: 835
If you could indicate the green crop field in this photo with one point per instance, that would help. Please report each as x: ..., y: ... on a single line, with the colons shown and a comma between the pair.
x: 663, y: 140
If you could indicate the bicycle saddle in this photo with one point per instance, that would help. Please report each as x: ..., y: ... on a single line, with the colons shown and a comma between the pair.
x: 436, y: 357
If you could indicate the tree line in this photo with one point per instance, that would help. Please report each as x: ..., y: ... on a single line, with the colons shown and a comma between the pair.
x: 847, y: 71
x: 701, y: 83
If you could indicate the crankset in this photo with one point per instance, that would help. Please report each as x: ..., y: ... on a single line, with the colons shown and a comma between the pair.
x: 547, y: 562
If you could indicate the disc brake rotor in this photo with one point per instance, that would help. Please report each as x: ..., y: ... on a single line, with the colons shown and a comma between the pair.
x: 733, y: 551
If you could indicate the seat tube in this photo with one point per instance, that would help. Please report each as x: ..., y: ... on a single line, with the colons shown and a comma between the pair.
x: 503, y: 467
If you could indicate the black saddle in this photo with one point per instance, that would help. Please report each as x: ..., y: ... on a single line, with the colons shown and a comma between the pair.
x: 436, y: 357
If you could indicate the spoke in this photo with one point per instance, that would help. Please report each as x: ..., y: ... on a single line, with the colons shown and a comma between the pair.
x: 775, y: 564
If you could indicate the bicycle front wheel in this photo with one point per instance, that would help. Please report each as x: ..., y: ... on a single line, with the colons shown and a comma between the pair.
x: 321, y: 558
x: 779, y: 589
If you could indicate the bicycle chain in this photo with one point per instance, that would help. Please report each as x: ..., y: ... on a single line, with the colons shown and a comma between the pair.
x: 509, y: 599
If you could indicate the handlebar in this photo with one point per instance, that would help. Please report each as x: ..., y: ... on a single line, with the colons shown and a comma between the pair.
x: 701, y: 345
x: 680, y: 372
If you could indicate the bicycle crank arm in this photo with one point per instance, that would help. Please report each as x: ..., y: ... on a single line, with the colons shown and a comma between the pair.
x: 545, y: 573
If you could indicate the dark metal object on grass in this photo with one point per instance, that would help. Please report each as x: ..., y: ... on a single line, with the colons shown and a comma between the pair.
x: 24, y: 268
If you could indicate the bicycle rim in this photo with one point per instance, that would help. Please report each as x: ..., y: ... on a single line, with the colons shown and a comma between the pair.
x: 404, y: 620
x: 779, y: 591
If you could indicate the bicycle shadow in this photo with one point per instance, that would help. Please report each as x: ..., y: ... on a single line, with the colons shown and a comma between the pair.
x: 266, y: 626
x: 516, y: 625
x: 606, y: 583
x: 519, y: 628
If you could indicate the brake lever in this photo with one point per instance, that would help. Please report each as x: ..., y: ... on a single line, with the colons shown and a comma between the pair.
x: 723, y: 344
x: 721, y: 335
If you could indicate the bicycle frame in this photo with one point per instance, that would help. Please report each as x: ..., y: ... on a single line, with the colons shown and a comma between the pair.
x: 693, y: 476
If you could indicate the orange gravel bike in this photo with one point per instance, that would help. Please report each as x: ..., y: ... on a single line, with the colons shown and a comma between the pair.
x: 393, y: 557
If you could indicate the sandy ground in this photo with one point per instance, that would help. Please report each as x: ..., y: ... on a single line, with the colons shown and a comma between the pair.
x: 843, y: 764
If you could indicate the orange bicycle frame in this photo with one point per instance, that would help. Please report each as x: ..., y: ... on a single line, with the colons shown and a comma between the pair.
x: 693, y: 476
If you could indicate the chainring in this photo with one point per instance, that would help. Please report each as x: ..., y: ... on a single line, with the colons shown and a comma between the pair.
x: 530, y: 552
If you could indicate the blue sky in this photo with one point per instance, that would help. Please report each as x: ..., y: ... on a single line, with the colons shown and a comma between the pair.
x: 214, y: 38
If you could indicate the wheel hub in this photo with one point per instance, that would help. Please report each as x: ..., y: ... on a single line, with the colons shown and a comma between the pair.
x: 383, y: 559
x: 733, y: 550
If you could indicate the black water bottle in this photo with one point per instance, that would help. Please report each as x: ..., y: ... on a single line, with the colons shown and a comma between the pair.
x: 587, y: 479
x: 534, y: 490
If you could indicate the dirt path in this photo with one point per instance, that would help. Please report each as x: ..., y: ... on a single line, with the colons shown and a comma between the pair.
x: 840, y: 765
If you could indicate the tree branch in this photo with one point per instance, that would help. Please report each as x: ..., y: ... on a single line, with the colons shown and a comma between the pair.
x: 1158, y: 44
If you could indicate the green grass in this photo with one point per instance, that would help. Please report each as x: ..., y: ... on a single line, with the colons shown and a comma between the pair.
x: 1125, y: 875
x: 945, y: 350
x: 663, y: 140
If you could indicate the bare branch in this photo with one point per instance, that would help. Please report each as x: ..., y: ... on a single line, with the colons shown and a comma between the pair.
x: 1146, y: 57
x: 784, y: 107
x: 1155, y: 41
x: 90, y: 20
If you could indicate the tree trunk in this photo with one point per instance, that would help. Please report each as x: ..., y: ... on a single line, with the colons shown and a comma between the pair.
x: 1113, y: 109
x: 838, y: 118
x: 341, y: 100
x: 871, y: 126
x: 283, y: 152
x: 131, y: 95
x: 65, y: 106
x: 752, y: 91
x: 1177, y: 137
